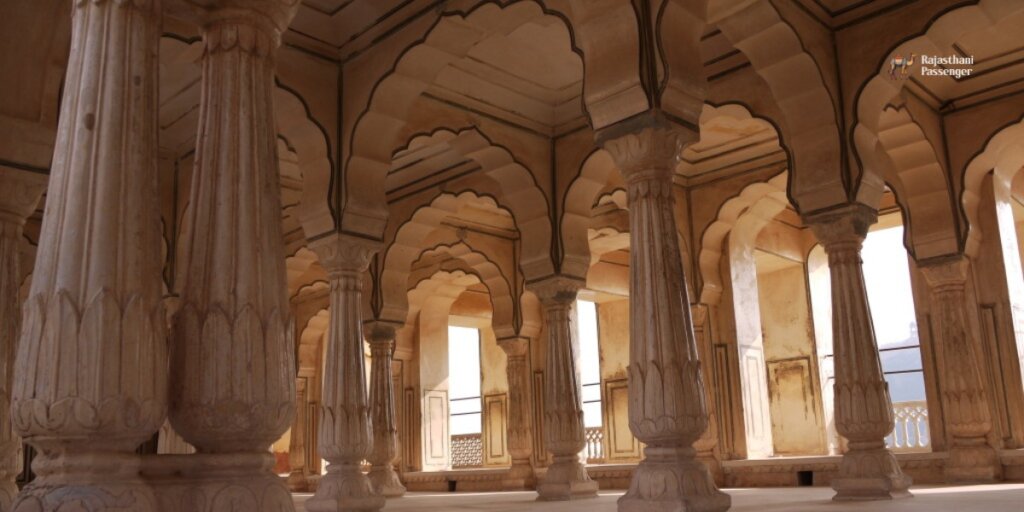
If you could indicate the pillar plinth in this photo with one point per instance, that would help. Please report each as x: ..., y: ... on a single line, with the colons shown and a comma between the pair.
x: 520, y: 433
x: 864, y: 414
x: 667, y: 408
x: 345, y: 436
x: 232, y: 346
x: 965, y: 404
x: 90, y: 377
x: 382, y: 412
x: 22, y: 191
x: 566, y: 477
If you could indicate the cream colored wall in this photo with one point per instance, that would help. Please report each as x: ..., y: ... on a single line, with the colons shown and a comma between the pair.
x: 613, y: 332
x: 797, y: 423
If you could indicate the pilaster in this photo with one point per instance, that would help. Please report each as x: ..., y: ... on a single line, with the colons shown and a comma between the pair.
x: 964, y: 400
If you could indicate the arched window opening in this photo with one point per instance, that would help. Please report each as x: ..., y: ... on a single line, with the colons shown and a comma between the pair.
x: 465, y: 410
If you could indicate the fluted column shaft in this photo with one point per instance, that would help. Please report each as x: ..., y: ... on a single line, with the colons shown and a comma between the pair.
x: 90, y: 380
x: 566, y: 477
x: 297, y: 441
x: 345, y: 436
x: 667, y: 408
x: 864, y: 414
x: 233, y: 352
x: 21, y: 193
x: 520, y: 433
x: 382, y: 413
x: 965, y: 404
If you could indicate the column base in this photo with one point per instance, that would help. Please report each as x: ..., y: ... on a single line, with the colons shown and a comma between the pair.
x: 8, y: 491
x: 385, y: 481
x: 870, y: 474
x: 714, y: 466
x: 972, y: 461
x: 566, y: 479
x: 520, y: 477
x: 673, y: 480
x: 93, y: 481
x: 345, y: 489
x: 216, y: 481
x: 297, y: 482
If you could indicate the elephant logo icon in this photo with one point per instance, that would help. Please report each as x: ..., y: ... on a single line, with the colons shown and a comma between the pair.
x: 898, y: 66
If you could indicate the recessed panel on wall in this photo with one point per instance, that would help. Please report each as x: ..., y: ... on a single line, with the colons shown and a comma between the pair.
x: 797, y: 427
x: 495, y: 431
x: 620, y: 445
x: 435, y: 430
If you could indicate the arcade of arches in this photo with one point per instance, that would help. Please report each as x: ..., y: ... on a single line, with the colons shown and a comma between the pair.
x: 327, y: 254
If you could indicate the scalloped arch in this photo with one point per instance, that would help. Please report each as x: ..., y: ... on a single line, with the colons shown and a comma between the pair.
x: 749, y: 210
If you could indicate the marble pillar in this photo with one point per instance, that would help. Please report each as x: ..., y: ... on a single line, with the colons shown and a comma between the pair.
x: 90, y: 379
x: 382, y: 412
x: 863, y: 408
x: 297, y: 442
x: 520, y: 403
x: 232, y: 349
x: 566, y: 477
x: 22, y: 190
x: 345, y: 437
x: 964, y: 401
x: 667, y: 407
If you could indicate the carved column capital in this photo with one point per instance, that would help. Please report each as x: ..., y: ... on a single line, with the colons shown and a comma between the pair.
x: 556, y: 290
x: 22, y: 190
x: 648, y: 147
x: 515, y: 346
x: 379, y: 333
x: 341, y: 253
x: 946, y: 274
x: 843, y: 226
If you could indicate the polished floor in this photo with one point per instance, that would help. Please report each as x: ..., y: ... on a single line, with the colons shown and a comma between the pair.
x: 981, y: 498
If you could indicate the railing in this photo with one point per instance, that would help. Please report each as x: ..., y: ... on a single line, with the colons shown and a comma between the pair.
x: 595, y: 444
x: 911, y: 433
x: 467, y: 451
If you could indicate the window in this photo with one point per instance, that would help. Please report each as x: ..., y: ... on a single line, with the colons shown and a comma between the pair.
x: 464, y: 380
x: 589, y: 362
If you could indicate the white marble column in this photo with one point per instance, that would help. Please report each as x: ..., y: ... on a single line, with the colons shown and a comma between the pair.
x: 90, y: 379
x: 566, y: 477
x: 382, y: 475
x: 964, y: 400
x: 864, y: 415
x: 345, y: 436
x: 520, y: 403
x: 21, y: 193
x: 667, y: 409
x: 297, y: 442
x: 233, y: 355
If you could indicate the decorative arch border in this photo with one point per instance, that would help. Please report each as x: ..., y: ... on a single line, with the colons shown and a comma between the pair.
x: 760, y: 199
x: 1003, y: 154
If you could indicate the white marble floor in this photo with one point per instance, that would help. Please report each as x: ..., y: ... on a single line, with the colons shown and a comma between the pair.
x: 980, y: 498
